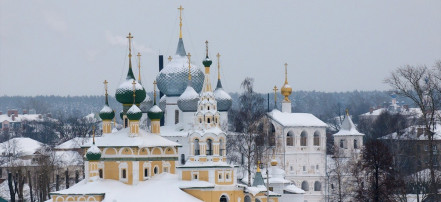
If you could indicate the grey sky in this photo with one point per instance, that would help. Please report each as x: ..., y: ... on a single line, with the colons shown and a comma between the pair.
x: 70, y: 47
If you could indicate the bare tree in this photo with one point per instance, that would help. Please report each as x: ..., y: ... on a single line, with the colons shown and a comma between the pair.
x: 247, y: 126
x: 340, y: 176
x: 423, y: 86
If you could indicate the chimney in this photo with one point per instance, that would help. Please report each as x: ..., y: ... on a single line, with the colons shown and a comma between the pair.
x: 161, y: 66
x: 9, y: 112
x: 406, y: 107
x: 13, y: 117
x: 419, y: 131
x: 371, y: 110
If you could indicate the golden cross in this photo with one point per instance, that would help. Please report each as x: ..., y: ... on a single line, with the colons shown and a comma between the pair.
x: 130, y: 37
x: 347, y: 112
x: 180, y: 21
x: 286, y: 73
x: 134, y: 90
x: 105, y: 85
x: 189, y: 67
x: 169, y: 58
x: 139, y: 66
x: 206, y: 48
x: 275, y: 95
x: 218, y: 66
x: 154, y: 90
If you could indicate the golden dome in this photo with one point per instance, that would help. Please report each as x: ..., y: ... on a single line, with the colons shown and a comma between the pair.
x: 274, y: 162
x: 286, y: 89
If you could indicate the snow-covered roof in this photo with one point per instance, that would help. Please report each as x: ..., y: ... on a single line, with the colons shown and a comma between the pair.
x: 20, y: 145
x: 68, y: 158
x: 293, y: 189
x: 198, y: 164
x: 411, y: 133
x: 74, y: 143
x: 22, y: 117
x: 347, y: 128
x: 123, y: 138
x: 163, y: 187
x: 296, y: 119
x: 173, y: 131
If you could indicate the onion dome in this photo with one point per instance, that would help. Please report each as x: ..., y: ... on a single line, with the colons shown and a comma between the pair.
x: 106, y: 112
x: 146, y: 104
x: 134, y: 113
x: 172, y: 80
x: 286, y: 89
x: 188, y: 101
x: 155, y: 113
x: 93, y: 153
x: 207, y: 62
x: 124, y: 93
x: 224, y: 100
x: 163, y: 102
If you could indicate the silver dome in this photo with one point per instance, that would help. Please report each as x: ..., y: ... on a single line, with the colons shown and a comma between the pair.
x: 172, y: 80
x: 223, y: 99
x: 162, y: 103
x: 188, y: 101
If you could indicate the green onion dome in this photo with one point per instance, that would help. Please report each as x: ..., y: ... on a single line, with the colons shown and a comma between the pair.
x: 107, y: 113
x: 207, y: 62
x: 155, y: 113
x: 124, y: 93
x: 134, y: 113
x: 93, y: 153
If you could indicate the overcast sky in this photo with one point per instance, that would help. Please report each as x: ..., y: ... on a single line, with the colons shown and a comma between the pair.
x: 70, y: 47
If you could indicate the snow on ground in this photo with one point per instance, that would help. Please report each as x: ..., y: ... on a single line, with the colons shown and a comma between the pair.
x: 20, y: 145
x: 4, y: 191
x: 160, y: 188
x: 296, y: 119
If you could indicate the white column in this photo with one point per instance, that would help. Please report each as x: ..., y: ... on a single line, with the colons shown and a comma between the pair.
x: 286, y: 106
x: 171, y: 106
x: 135, y: 171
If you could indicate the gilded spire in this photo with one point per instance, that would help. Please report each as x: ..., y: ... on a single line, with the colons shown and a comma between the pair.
x: 134, y: 91
x: 206, y: 49
x: 189, y: 66
x: 180, y: 21
x: 218, y: 66
x: 139, y: 67
x: 169, y: 58
x: 275, y: 96
x: 130, y: 73
x: 258, y: 166
x: 93, y: 134
x: 105, y: 88
x: 154, y: 92
x: 347, y: 112
x: 286, y: 89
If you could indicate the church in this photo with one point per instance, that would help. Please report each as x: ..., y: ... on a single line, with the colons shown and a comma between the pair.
x: 184, y: 160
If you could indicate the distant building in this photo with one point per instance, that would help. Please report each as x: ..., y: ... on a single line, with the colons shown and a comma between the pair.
x: 14, y: 120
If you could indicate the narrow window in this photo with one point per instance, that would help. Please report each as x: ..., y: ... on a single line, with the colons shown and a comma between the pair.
x: 221, y: 147
x: 317, y: 186
x: 208, y: 120
x: 303, y: 139
x: 176, y: 116
x: 272, y: 138
x: 316, y: 138
x: 227, y: 176
x: 342, y: 144
x: 195, y: 176
x: 196, y: 147
x: 126, y: 123
x: 355, y: 144
x: 146, y: 172
x: 209, y: 147
x: 289, y: 139
x: 305, y: 186
x: 124, y: 173
x: 155, y: 170
x: 100, y: 171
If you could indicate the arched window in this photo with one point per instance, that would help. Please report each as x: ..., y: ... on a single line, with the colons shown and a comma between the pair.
x: 208, y: 120
x: 196, y: 147
x: 272, y: 137
x: 342, y: 143
x: 209, y: 147
x: 355, y: 144
x: 247, y: 198
x: 317, y: 186
x: 257, y: 200
x: 305, y: 186
x: 221, y: 147
x: 155, y: 170
x: 176, y: 116
x: 303, y: 139
x: 100, y: 171
x: 182, y: 159
x: 223, y: 198
x: 124, y: 174
x: 208, y: 107
x: 316, y: 138
x: 290, y: 139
